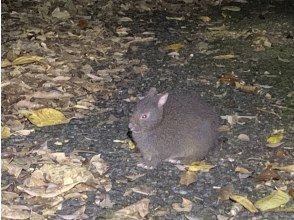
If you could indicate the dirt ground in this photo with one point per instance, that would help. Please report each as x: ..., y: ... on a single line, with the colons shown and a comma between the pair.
x: 92, y: 60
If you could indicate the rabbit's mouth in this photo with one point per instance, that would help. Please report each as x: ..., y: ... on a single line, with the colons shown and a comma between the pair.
x: 134, y: 128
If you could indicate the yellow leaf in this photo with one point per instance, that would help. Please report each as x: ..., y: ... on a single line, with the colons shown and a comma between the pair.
x: 275, y: 138
x: 241, y: 170
x: 288, y: 168
x: 187, y: 178
x: 45, y: 117
x: 225, y: 57
x: 274, y: 200
x: 174, y: 47
x: 27, y: 59
x: 204, y: 18
x: 231, y: 8
x: 131, y: 144
x: 244, y: 202
x: 199, y: 166
x: 5, y: 132
x: 5, y: 63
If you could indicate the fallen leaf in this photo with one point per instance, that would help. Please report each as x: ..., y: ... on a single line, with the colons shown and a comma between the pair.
x: 63, y: 15
x: 48, y: 192
x: 5, y: 63
x: 135, y: 176
x: 187, y: 178
x: 268, y: 174
x: 15, y: 211
x: 243, y: 137
x: 288, y: 168
x: 275, y: 138
x: 244, y: 202
x: 199, y: 166
x: 174, y: 47
x: 100, y: 165
x: 225, y: 192
x: 27, y: 59
x: 186, y: 206
x: 274, y: 200
x: 5, y: 132
x: 241, y: 170
x: 45, y: 117
x: 204, y: 18
x: 137, y: 210
x: 225, y: 57
x: 231, y: 8
x: 246, y: 88
x: 131, y: 144
x: 229, y: 79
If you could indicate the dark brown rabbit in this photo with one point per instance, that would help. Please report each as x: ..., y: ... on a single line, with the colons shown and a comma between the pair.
x: 176, y: 127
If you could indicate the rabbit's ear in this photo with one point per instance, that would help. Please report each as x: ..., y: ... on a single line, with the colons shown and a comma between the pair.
x: 152, y: 91
x: 162, y: 100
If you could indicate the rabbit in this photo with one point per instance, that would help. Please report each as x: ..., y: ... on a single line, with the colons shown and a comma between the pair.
x: 178, y: 127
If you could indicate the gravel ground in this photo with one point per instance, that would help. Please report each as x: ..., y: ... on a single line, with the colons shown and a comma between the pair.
x: 195, y: 69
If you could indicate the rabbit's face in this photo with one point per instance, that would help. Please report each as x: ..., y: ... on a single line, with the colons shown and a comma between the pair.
x: 148, y: 113
x: 146, y: 116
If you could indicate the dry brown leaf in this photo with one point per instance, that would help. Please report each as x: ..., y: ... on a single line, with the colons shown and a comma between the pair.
x: 174, y: 47
x: 99, y: 164
x: 205, y: 19
x: 229, y: 79
x: 186, y: 206
x: 187, y: 178
x: 15, y: 211
x: 246, y: 88
x: 288, y: 168
x: 244, y: 202
x: 242, y: 170
x: 137, y: 210
x: 243, y: 137
x: 26, y: 59
x: 135, y: 176
x: 48, y: 192
x: 268, y: 174
x: 225, y: 192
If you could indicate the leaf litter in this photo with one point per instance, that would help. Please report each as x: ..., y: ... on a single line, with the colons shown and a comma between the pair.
x: 45, y: 80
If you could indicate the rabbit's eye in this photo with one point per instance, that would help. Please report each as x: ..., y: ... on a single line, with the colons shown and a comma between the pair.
x: 143, y: 116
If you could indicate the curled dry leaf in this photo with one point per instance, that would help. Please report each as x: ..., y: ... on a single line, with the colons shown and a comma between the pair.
x: 288, y: 168
x: 244, y: 202
x: 186, y: 206
x: 225, y: 192
x: 204, y: 18
x: 45, y: 117
x: 28, y: 59
x: 268, y: 174
x: 231, y: 8
x: 137, y: 210
x: 99, y: 164
x: 246, y: 88
x: 242, y: 170
x: 225, y: 57
x: 135, y: 176
x: 243, y: 137
x: 47, y: 192
x: 187, y: 178
x: 15, y: 211
x: 274, y: 200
